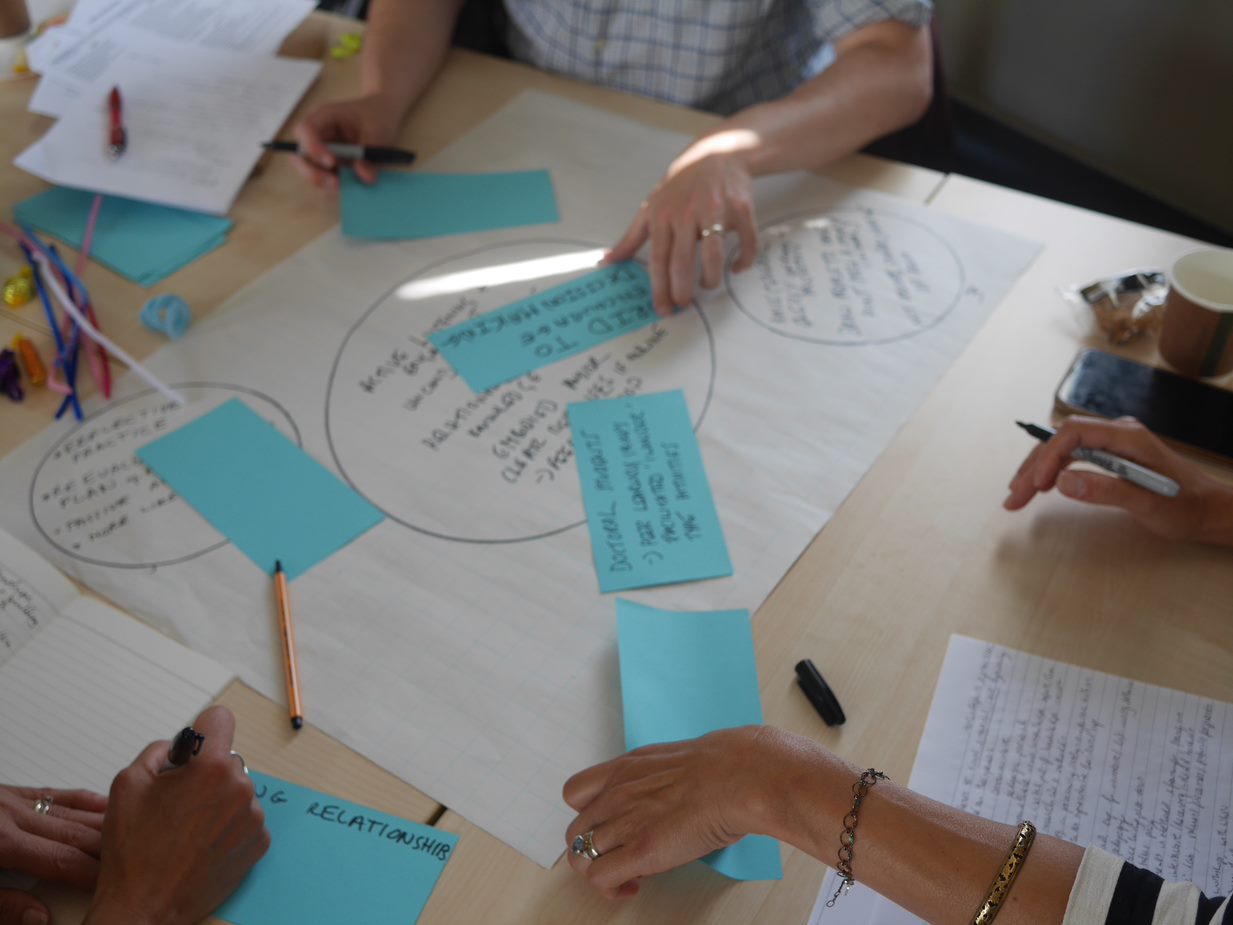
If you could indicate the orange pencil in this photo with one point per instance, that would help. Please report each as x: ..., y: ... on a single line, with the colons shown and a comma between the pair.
x: 289, y: 663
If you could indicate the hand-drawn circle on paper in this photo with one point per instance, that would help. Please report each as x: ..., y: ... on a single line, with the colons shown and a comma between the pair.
x: 410, y: 436
x: 851, y: 277
x: 90, y: 491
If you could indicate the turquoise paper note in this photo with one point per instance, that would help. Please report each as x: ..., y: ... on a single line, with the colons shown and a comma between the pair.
x: 684, y: 675
x: 569, y: 319
x: 649, y: 508
x: 141, y: 241
x: 405, y: 206
x: 331, y: 861
x: 260, y: 490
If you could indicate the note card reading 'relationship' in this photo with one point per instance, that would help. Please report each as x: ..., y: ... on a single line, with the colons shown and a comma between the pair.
x: 565, y: 320
x: 649, y: 508
x: 684, y: 675
x: 332, y: 861
x: 408, y: 206
x: 260, y: 490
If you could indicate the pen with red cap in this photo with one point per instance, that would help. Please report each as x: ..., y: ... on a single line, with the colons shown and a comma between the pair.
x: 118, y: 138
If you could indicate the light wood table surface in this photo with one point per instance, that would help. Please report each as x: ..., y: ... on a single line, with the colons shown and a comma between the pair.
x: 920, y: 549
x: 276, y: 215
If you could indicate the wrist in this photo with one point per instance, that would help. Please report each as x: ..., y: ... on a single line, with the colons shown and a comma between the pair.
x: 386, y: 108
x: 737, y: 145
x: 1216, y: 524
x: 803, y: 793
x: 106, y: 909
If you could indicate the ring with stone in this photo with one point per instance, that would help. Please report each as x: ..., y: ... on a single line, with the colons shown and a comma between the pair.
x: 584, y: 844
x: 43, y: 804
x: 709, y: 230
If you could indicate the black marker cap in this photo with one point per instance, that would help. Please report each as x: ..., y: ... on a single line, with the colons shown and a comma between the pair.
x: 819, y: 693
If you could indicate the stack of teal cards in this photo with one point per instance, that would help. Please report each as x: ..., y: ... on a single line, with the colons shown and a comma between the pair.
x: 260, y: 490
x: 406, y: 206
x: 141, y: 241
x: 684, y: 675
x: 331, y: 861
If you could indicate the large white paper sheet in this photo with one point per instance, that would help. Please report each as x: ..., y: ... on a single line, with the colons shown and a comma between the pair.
x: 73, y: 58
x: 195, y: 119
x: 1138, y: 770
x: 462, y: 643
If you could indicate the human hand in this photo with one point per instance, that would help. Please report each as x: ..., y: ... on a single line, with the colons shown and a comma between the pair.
x: 177, y: 842
x: 664, y: 805
x: 61, y: 845
x: 704, y: 189
x: 367, y: 120
x: 1202, y: 510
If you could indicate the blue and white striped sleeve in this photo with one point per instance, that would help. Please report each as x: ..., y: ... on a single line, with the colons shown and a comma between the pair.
x: 1109, y: 890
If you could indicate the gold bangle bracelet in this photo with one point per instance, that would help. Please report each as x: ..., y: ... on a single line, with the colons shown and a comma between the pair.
x: 1005, y: 878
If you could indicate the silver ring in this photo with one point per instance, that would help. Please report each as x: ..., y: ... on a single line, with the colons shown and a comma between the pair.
x: 243, y: 763
x: 709, y: 230
x: 43, y: 804
x: 584, y: 844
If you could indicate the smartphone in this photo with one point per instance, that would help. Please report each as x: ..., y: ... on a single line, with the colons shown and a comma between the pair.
x: 1179, y: 409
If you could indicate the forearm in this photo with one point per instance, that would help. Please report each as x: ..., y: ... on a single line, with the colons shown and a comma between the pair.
x: 404, y: 48
x: 935, y: 861
x: 875, y: 86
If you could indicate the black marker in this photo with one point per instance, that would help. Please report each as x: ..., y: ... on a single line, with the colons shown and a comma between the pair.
x: 350, y: 152
x: 819, y: 693
x: 186, y: 744
x: 1132, y: 472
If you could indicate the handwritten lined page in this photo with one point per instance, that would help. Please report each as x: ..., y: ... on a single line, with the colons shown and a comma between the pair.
x: 1141, y: 771
x: 32, y: 593
x: 87, y: 687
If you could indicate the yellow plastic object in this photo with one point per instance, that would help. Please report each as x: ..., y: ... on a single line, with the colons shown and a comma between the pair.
x: 348, y: 44
x: 19, y: 289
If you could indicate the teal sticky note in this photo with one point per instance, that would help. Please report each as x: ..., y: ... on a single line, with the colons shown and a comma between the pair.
x: 332, y: 861
x: 684, y: 675
x: 141, y: 241
x: 561, y: 322
x: 405, y: 206
x: 260, y: 490
x: 649, y: 508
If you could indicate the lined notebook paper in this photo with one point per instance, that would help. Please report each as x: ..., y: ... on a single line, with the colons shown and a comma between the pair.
x: 1138, y: 770
x: 84, y: 686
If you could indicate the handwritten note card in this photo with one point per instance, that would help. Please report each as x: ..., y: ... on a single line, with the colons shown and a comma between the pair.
x: 563, y: 321
x: 649, y: 507
x: 684, y: 675
x: 264, y: 493
x: 407, y: 206
x: 333, y: 861
x: 1138, y: 770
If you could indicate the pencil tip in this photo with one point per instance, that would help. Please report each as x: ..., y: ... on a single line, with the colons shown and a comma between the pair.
x: 1021, y: 424
x: 297, y: 722
x: 278, y: 566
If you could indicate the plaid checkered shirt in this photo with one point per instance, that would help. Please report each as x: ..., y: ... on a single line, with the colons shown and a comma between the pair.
x: 720, y: 55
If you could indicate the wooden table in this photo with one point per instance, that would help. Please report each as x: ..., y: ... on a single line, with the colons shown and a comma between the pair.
x: 920, y: 549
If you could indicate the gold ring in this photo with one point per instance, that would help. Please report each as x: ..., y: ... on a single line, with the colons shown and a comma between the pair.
x: 709, y: 230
